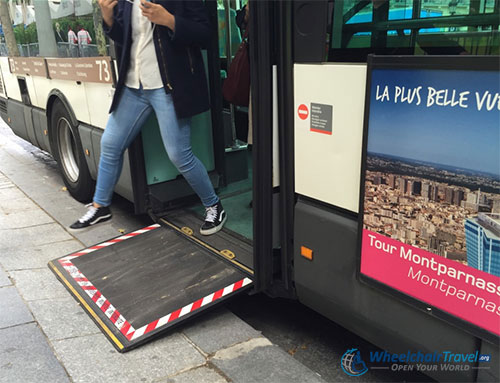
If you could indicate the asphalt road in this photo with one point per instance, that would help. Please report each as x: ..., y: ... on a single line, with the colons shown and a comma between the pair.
x: 312, y: 339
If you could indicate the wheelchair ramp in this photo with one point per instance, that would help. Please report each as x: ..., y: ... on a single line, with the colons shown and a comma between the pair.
x: 139, y: 285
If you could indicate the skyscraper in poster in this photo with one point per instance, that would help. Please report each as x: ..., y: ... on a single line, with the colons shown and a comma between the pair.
x: 482, y: 236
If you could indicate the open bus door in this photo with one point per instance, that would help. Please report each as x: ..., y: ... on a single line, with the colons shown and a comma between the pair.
x: 141, y: 284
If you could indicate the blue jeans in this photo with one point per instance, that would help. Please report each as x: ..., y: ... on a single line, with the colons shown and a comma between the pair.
x: 124, y: 125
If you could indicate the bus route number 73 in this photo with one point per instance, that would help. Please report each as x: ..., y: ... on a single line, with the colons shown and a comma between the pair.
x: 104, y: 70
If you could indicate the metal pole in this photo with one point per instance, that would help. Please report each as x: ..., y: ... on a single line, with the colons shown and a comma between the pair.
x: 416, y: 12
x: 337, y: 24
x: 227, y: 9
x: 45, y: 31
x: 227, y: 6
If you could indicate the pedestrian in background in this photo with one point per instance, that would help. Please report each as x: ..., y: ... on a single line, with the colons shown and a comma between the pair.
x: 84, y: 40
x: 72, y: 42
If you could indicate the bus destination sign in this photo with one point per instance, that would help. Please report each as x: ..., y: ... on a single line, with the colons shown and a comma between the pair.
x: 28, y: 66
x: 91, y: 69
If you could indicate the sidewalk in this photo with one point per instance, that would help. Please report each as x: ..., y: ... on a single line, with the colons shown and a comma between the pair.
x: 47, y: 337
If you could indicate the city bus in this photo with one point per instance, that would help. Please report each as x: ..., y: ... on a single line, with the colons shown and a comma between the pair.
x: 321, y: 190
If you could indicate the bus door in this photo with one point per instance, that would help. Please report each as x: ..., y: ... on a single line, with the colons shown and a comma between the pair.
x: 219, y: 138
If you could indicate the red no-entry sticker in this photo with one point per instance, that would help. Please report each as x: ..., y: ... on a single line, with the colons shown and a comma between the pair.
x: 303, y: 111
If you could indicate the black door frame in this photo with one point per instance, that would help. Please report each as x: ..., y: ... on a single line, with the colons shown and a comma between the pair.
x: 260, y: 38
x: 271, y: 29
x: 284, y: 43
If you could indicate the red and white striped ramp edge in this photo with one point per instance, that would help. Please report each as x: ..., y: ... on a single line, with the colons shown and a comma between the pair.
x: 112, y: 313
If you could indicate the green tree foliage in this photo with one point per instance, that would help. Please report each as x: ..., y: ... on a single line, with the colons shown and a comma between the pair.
x: 26, y: 35
x: 100, y: 41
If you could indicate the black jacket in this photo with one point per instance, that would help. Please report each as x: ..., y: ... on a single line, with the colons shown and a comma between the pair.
x: 178, y: 53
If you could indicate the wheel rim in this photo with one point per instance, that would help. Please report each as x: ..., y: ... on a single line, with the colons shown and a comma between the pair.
x: 68, y: 150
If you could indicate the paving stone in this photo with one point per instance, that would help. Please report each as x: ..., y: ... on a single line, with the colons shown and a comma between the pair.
x: 105, y: 231
x: 8, y: 193
x: 259, y: 361
x: 4, y: 278
x: 43, y: 186
x: 13, y: 310
x: 38, y: 284
x: 199, y: 375
x: 22, y: 174
x: 3, y: 178
x: 16, y: 150
x: 208, y: 333
x: 17, y: 205
x: 25, y: 356
x: 16, y: 258
x: 61, y: 206
x: 93, y: 359
x: 47, y: 175
x: 65, y: 210
x: 62, y: 318
x: 46, y: 172
x: 24, y: 219
x: 32, y: 236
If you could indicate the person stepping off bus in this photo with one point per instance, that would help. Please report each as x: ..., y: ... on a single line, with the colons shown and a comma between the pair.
x: 160, y: 69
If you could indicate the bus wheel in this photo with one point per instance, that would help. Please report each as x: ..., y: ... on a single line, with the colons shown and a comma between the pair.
x: 69, y: 154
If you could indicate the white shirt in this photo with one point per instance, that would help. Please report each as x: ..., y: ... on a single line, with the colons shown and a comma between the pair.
x: 72, y: 37
x: 143, y: 62
x: 83, y: 37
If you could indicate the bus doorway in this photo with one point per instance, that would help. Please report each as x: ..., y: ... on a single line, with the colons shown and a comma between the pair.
x: 139, y: 285
x: 219, y: 139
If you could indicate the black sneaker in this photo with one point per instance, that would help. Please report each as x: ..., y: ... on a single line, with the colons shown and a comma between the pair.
x: 94, y: 215
x: 214, y: 219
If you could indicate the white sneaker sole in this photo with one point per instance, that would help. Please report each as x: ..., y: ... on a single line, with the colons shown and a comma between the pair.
x: 214, y: 229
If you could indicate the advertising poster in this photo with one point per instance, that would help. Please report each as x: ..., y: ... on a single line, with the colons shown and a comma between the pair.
x: 431, y: 190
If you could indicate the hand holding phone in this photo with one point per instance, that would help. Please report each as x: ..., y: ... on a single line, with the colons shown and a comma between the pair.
x: 157, y: 14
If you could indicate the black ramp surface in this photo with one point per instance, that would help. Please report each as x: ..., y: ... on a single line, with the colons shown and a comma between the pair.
x: 146, y: 278
x: 154, y: 274
x: 225, y: 239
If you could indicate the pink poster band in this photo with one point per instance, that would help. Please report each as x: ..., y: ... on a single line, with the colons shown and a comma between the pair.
x: 460, y: 290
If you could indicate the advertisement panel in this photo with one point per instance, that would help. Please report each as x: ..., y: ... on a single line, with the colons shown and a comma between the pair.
x: 430, y: 193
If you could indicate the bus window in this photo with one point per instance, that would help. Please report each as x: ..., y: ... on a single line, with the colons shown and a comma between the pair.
x: 66, y: 19
x: 414, y: 27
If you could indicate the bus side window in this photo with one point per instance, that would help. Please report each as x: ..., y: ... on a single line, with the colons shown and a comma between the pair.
x: 413, y: 27
x: 24, y: 90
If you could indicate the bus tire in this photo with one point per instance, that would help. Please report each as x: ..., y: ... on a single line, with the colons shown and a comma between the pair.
x: 68, y: 152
